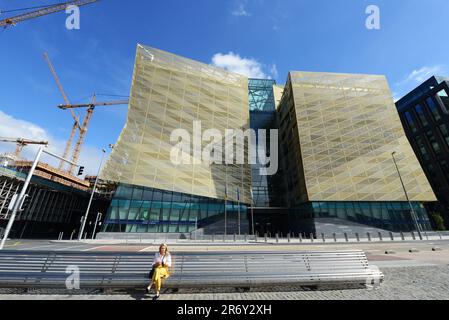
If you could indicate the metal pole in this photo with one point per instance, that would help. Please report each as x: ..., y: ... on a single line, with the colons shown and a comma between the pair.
x: 80, y: 235
x: 252, y: 211
x: 225, y: 226
x: 406, y: 195
x: 96, y: 221
x: 20, y: 197
x: 238, y: 208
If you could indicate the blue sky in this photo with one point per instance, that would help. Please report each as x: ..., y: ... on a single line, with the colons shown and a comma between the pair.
x: 259, y: 37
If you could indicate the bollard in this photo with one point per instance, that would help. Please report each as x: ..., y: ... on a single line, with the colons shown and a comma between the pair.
x: 357, y: 236
x: 425, y: 233
x: 246, y: 239
x: 300, y: 237
x: 85, y: 236
x: 369, y: 236
x: 413, y: 235
x: 324, y: 237
x: 335, y: 237
x: 346, y: 237
x: 311, y: 237
x: 402, y: 236
x: 71, y: 236
x: 288, y: 237
x: 441, y: 238
x: 277, y: 238
x: 391, y: 236
x: 380, y: 236
x: 266, y: 239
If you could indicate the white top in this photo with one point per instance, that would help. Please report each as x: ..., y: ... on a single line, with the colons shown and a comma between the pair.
x: 162, y: 259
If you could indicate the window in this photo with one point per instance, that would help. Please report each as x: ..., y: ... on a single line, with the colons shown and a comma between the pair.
x: 421, y: 115
x: 433, y: 142
x: 422, y: 148
x: 433, y: 107
x: 434, y: 176
x: 444, y: 100
x: 445, y: 132
x: 445, y: 166
x: 410, y: 121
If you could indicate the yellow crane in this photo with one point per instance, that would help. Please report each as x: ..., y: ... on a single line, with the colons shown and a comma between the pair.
x: 90, y: 110
x: 76, y: 124
x: 45, y: 10
x: 21, y: 142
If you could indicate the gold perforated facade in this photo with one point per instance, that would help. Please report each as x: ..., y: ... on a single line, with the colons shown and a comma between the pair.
x: 168, y: 93
x: 340, y: 131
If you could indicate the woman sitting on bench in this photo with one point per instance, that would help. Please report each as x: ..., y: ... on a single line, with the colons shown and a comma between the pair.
x: 161, y: 269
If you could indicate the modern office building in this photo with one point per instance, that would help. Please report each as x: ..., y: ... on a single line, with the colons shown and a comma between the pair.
x: 156, y: 195
x: 335, y: 137
x: 338, y: 135
x: 425, y: 116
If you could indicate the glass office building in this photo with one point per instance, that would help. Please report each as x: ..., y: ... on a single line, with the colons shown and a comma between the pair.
x: 425, y: 116
x: 336, y: 134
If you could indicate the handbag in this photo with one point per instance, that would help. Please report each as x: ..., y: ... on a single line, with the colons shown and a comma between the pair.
x: 150, y: 275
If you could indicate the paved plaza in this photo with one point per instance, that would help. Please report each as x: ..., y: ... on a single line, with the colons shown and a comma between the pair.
x: 422, y: 274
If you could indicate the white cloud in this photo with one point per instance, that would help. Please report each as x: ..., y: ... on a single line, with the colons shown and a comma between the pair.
x: 240, y: 10
x: 274, y: 71
x: 423, y: 74
x: 244, y: 66
x: 16, y: 128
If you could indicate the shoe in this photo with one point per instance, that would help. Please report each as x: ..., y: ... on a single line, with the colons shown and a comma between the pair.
x: 147, y: 290
x: 156, y: 297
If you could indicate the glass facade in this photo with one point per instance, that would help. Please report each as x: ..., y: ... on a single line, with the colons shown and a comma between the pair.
x: 267, y: 190
x: 430, y: 141
x: 136, y: 209
x: 392, y: 216
x: 336, y: 136
x: 261, y: 95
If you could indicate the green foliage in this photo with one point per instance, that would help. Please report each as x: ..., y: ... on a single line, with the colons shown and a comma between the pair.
x: 438, y: 221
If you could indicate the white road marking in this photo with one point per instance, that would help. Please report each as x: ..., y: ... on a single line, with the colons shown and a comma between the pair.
x: 40, y: 247
x: 93, y: 248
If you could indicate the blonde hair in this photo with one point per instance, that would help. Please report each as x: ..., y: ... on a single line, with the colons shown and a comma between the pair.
x: 164, y: 245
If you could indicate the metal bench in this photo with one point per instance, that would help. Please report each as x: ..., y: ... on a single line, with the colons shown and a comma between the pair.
x: 44, y: 269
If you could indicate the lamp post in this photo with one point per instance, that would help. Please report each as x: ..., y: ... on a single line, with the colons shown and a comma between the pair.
x: 412, y: 211
x: 17, y: 206
x: 80, y: 234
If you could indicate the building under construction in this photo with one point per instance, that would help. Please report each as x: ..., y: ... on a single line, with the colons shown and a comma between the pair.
x: 56, y: 202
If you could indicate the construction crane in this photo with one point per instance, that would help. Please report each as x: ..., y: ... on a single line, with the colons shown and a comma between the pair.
x: 76, y: 124
x: 90, y: 110
x: 21, y: 143
x: 12, y: 21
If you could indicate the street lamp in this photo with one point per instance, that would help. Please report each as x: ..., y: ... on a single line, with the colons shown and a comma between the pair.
x: 80, y: 235
x: 415, y: 220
